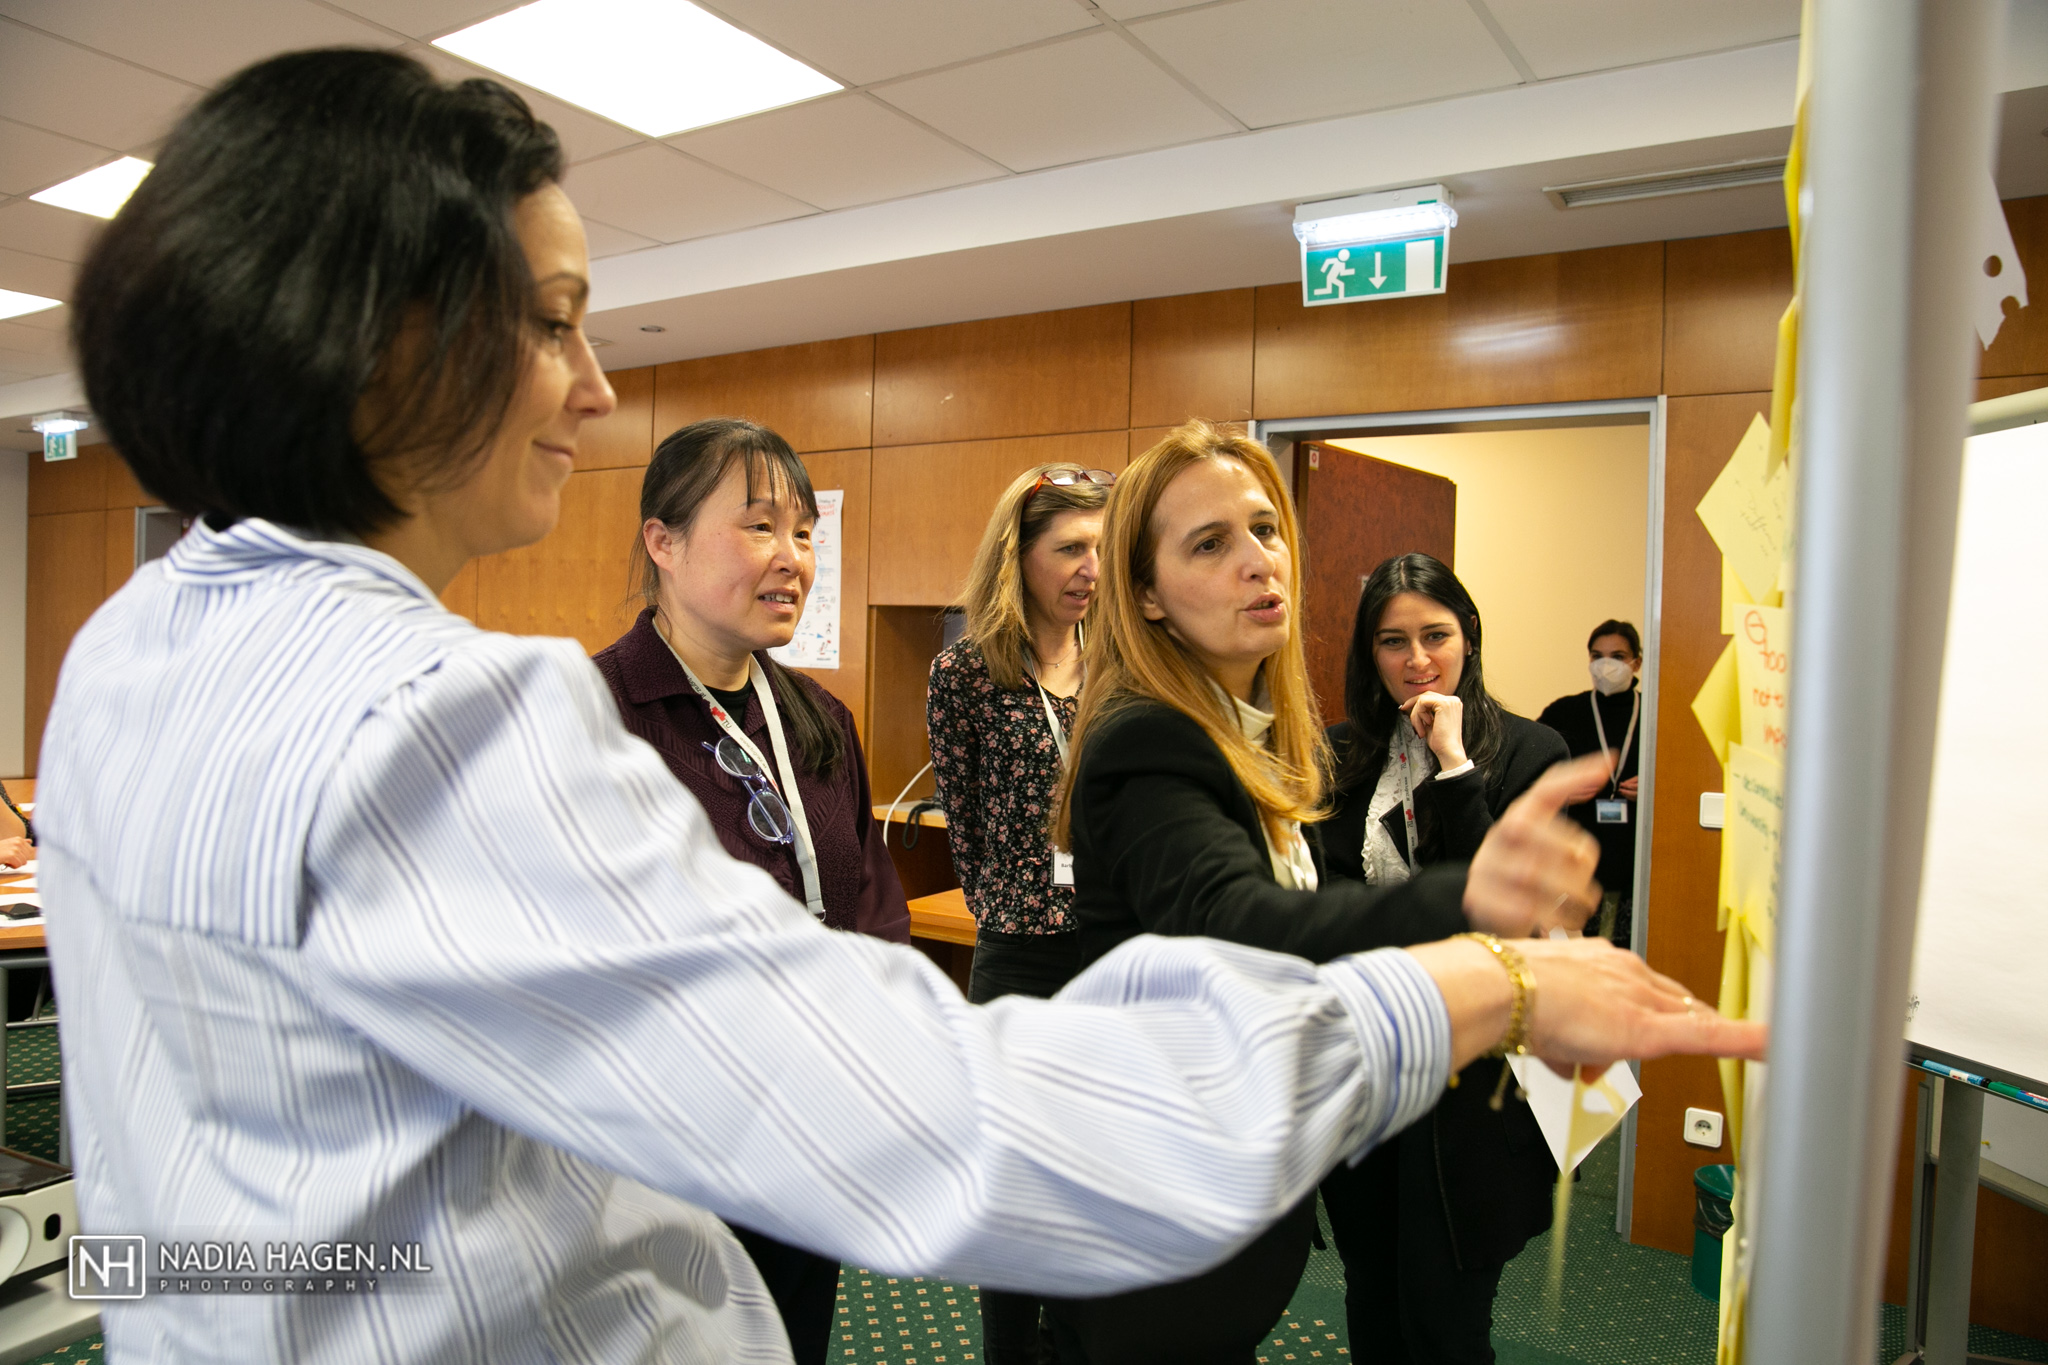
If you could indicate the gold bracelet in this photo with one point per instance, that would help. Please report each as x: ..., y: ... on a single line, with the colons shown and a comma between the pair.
x: 1515, y: 1042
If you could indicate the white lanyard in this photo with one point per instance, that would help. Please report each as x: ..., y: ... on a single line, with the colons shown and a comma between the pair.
x: 1408, y: 825
x: 1052, y: 719
x: 1600, y: 729
x: 1062, y: 863
x: 806, y: 856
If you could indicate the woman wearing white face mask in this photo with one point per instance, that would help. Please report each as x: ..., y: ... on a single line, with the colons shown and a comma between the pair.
x: 1609, y: 719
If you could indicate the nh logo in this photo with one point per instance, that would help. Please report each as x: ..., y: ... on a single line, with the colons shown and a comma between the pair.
x: 107, y: 1267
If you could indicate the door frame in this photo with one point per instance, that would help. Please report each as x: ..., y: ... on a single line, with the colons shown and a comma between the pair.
x: 1276, y: 432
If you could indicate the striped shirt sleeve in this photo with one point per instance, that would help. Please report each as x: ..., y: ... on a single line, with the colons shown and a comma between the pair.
x: 513, y: 898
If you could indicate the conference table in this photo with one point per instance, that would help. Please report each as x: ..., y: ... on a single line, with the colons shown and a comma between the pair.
x: 21, y: 946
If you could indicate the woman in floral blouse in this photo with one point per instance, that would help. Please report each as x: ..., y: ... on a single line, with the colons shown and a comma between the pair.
x: 1001, y: 703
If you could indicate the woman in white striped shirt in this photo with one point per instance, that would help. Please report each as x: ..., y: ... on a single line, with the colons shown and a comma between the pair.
x: 376, y: 928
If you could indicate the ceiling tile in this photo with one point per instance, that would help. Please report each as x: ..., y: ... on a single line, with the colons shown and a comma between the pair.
x: 16, y: 376
x: 198, y: 43
x: 662, y: 194
x: 35, y: 341
x: 1283, y: 61
x: 31, y: 159
x: 1138, y: 9
x: 426, y: 18
x: 42, y: 230
x: 65, y: 89
x: 606, y: 240
x: 31, y: 362
x: 837, y: 152
x: 583, y: 134
x: 1091, y: 97
x: 878, y: 39
x: 1561, y: 37
x: 27, y: 274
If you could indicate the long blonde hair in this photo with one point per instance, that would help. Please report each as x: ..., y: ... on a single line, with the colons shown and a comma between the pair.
x: 1131, y: 659
x: 994, y: 596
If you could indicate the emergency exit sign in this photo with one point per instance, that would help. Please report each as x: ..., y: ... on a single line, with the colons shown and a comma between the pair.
x: 1356, y: 271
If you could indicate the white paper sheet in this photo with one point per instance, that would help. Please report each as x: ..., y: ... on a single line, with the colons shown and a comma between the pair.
x: 816, y: 643
x: 1550, y: 1099
x: 27, y: 869
x: 1981, y: 953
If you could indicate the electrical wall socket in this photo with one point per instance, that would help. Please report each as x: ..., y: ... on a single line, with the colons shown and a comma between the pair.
x: 1703, y: 1127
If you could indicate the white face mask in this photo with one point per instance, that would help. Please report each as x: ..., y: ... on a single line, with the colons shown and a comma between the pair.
x: 1611, y: 675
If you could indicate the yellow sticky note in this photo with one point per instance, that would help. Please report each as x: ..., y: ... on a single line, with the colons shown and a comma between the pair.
x: 1762, y: 661
x: 1756, y: 785
x: 1718, y: 706
x: 1734, y: 1004
x: 1733, y: 595
x: 1745, y: 512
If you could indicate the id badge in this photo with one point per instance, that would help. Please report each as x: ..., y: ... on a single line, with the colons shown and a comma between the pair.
x: 1062, y: 868
x: 1610, y: 812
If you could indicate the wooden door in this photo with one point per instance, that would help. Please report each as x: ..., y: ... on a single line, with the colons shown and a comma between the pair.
x: 1355, y: 512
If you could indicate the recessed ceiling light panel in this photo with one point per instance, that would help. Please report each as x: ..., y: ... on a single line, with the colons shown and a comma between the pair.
x: 100, y: 191
x: 658, y: 66
x: 13, y: 305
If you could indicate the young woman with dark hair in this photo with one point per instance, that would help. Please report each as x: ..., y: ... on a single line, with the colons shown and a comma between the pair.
x: 1425, y: 765
x: 1608, y: 719
x: 726, y: 565
x: 396, y: 936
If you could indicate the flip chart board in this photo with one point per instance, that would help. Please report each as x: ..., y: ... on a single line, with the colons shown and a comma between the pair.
x: 1980, y: 962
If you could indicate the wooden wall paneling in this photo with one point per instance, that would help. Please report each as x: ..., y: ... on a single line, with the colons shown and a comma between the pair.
x: 460, y: 594
x: 75, y: 485
x: 2021, y: 346
x: 902, y: 642
x: 1723, y: 297
x: 1144, y: 438
x: 1685, y: 860
x: 67, y: 581
x: 576, y: 580
x: 1530, y: 329
x: 118, y: 548
x: 1037, y: 374
x: 626, y: 438
x: 931, y: 504
x: 848, y: 471
x: 1191, y: 356
x: 2006, y: 385
x: 122, y: 490
x: 818, y: 396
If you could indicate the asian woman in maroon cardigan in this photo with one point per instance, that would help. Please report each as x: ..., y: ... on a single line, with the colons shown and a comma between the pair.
x: 726, y: 564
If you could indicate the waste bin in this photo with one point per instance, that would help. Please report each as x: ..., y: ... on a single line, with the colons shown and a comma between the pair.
x: 1712, y: 1214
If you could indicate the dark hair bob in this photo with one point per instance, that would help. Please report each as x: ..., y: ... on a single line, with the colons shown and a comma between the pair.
x: 231, y: 318
x: 1622, y: 628
x: 1367, y: 702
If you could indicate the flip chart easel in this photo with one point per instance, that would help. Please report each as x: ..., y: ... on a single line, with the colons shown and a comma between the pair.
x: 1973, y: 1019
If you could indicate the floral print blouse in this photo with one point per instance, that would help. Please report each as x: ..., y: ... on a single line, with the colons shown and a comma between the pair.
x: 998, y: 773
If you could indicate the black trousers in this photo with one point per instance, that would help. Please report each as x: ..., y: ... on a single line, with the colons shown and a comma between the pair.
x: 805, y: 1287
x: 1220, y: 1317
x: 1406, y: 1301
x: 1013, y: 1331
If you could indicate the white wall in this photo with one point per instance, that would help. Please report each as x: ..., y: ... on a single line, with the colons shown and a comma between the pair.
x: 13, y: 608
x: 1551, y: 532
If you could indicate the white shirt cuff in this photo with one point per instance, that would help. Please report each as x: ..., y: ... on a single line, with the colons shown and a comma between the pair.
x: 1458, y: 771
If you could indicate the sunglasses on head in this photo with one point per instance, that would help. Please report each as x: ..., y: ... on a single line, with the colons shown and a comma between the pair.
x: 1067, y: 478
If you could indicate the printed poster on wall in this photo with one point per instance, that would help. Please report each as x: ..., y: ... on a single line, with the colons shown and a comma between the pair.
x: 816, y: 643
